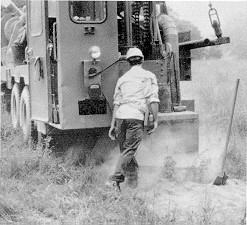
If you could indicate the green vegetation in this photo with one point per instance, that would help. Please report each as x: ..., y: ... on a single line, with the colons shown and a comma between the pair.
x: 36, y: 188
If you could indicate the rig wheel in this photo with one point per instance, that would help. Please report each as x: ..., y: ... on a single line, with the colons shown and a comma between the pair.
x: 15, y: 105
x: 25, y: 113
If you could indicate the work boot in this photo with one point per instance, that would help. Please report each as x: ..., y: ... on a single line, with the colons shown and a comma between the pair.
x: 115, y: 180
x: 113, y: 185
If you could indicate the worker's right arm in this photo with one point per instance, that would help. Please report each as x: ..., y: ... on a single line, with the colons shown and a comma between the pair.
x: 154, y: 103
x: 154, y: 110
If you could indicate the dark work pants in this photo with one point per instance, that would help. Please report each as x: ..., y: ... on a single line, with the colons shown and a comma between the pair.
x: 129, y: 135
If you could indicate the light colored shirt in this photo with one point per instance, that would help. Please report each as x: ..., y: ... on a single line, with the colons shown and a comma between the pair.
x: 134, y: 91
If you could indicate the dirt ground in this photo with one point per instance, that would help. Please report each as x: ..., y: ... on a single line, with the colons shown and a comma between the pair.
x: 195, y: 202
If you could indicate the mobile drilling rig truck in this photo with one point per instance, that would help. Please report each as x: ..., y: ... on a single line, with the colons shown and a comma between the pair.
x: 61, y: 61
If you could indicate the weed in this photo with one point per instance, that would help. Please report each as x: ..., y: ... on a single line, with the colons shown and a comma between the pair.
x: 197, y: 174
x: 33, y: 182
x: 8, y: 211
x: 168, y: 170
x: 236, y: 163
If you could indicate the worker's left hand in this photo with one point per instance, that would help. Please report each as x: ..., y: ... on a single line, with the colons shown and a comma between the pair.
x: 155, y: 125
x: 112, y: 133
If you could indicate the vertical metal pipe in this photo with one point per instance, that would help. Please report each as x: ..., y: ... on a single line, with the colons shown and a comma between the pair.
x: 128, y: 14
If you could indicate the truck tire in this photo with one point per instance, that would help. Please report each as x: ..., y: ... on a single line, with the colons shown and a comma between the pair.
x: 15, y: 105
x: 25, y: 113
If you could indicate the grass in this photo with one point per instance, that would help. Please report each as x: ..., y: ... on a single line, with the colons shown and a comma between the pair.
x: 36, y: 188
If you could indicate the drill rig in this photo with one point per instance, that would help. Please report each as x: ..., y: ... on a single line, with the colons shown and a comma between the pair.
x: 62, y: 59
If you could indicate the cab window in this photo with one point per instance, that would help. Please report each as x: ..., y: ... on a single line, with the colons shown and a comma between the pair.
x: 88, y: 11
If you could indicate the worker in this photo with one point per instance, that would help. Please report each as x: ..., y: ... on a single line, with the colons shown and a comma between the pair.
x: 136, y: 95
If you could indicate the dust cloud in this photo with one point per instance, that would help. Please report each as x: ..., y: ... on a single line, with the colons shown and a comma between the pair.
x: 212, y: 88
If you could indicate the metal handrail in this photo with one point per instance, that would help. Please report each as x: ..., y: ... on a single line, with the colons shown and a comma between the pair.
x: 54, y: 26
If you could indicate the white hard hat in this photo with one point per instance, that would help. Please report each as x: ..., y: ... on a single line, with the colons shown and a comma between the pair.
x: 134, y: 52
